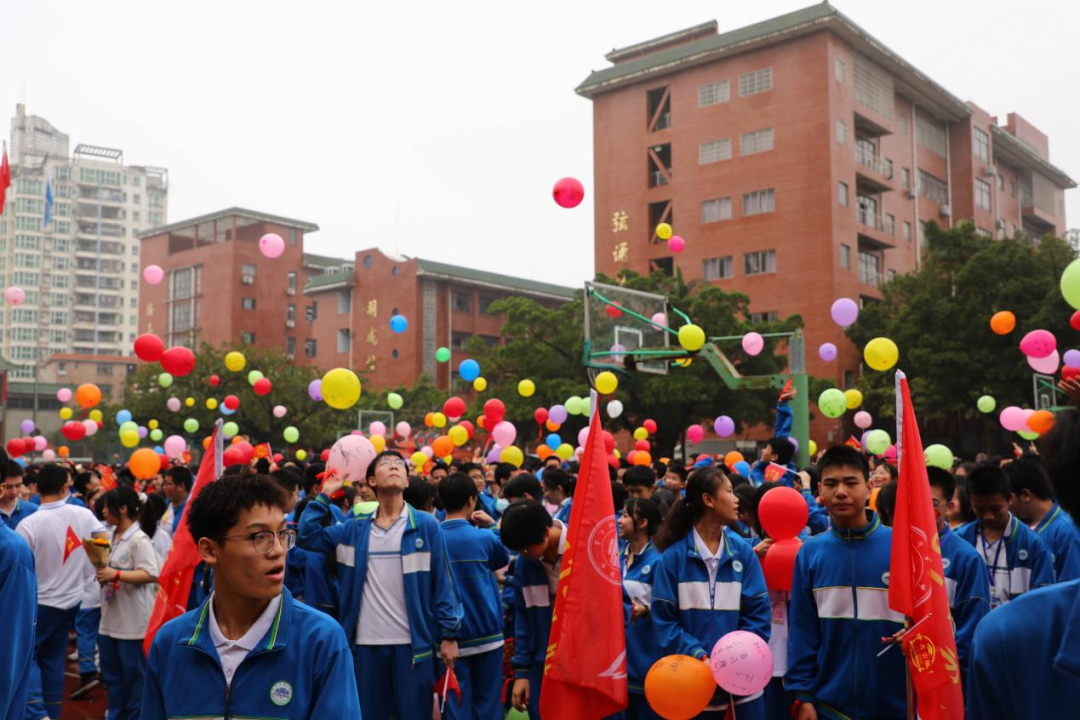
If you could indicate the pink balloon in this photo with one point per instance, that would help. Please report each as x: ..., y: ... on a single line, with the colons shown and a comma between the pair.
x: 403, y: 429
x: 1046, y: 365
x: 271, y: 245
x: 378, y: 428
x: 350, y: 457
x: 676, y: 244
x: 14, y: 295
x: 568, y: 192
x: 40, y: 443
x: 504, y: 433
x: 91, y: 428
x: 173, y: 404
x: 583, y: 436
x: 863, y: 419
x: 428, y: 450
x: 741, y: 663
x: 496, y: 452
x: 175, y: 446
x: 63, y: 395
x: 153, y: 274
x: 844, y: 312
x: 659, y: 321
x: 753, y: 343
x: 695, y: 433
x: 1012, y: 418
x: 1038, y: 344
x: 48, y: 456
x: 280, y: 411
x: 827, y: 352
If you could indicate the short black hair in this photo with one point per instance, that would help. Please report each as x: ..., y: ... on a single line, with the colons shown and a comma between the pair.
x: 941, y: 479
x: 844, y: 456
x: 986, y: 480
x: 782, y: 449
x: 532, y: 464
x: 14, y: 469
x: 639, y: 476
x: 456, y: 491
x: 470, y: 466
x: 554, y: 457
x: 52, y: 478
x: 1026, y: 473
x: 81, y: 480
x: 524, y: 523
x: 644, y: 509
x: 679, y: 470
x: 893, y: 472
x: 815, y: 479
x: 311, y: 476
x: 123, y: 497
x: 886, y: 503
x: 287, y: 479
x: 554, y: 477
x: 737, y: 480
x: 262, y: 466
x: 1060, y: 451
x: 746, y: 492
x: 523, y: 486
x: 503, y: 471
x: 378, y: 458
x: 219, y: 504
x: 436, y: 465
x: 180, y: 476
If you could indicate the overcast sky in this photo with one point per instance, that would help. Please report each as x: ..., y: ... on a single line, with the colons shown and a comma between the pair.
x: 437, y: 129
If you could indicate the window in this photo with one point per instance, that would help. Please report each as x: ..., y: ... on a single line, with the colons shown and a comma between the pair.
x: 839, y: 70
x: 485, y: 304
x: 185, y: 283
x: 933, y: 189
x: 904, y: 125
x: 133, y: 319
x: 869, y: 268
x: 718, y: 268
x: 1001, y: 182
x: 290, y: 347
x: 892, y: 275
x: 311, y: 348
x: 290, y: 315
x: 458, y: 340
x: 758, y: 81
x: 104, y: 369
x: 311, y: 312
x: 930, y: 135
x: 714, y: 151
x: 344, y: 301
x: 716, y: 210
x: 247, y: 303
x: 27, y: 260
x: 762, y: 317
x: 28, y: 242
x: 248, y: 338
x: 981, y: 143
x: 756, y: 141
x: 293, y: 236
x: 713, y: 93
x: 982, y: 194
x: 890, y: 224
x: 905, y: 177
x: 756, y: 203
x: 872, y: 87
x: 845, y: 257
x: 756, y: 263
x: 135, y: 215
x: 247, y: 274
x: 841, y: 132
x: 290, y: 285
x: 844, y: 194
x: 1012, y: 188
x: 460, y: 301
x: 344, y: 340
x: 907, y: 231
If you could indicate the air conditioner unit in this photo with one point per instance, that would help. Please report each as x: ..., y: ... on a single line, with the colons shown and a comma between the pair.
x: 991, y: 171
x: 290, y: 323
x: 911, y: 193
x: 946, y: 211
x: 247, y: 279
x: 290, y: 291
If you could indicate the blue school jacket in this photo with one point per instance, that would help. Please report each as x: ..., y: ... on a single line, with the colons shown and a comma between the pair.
x: 475, y: 555
x: 1025, y: 555
x: 637, y: 586
x: 969, y: 591
x: 532, y: 609
x: 18, y: 597
x: 839, y: 612
x: 818, y: 518
x: 489, y: 504
x: 1059, y: 533
x: 1026, y: 657
x: 20, y: 512
x: 302, y: 668
x: 433, y: 609
x: 690, y: 613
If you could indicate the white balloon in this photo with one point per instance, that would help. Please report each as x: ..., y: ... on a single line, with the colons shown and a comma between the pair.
x: 614, y: 408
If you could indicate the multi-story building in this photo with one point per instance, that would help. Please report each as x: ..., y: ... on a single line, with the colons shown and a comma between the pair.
x: 81, y: 271
x: 321, y: 311
x: 799, y: 158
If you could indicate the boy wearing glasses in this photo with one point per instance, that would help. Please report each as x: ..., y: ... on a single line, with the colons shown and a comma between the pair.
x: 249, y: 650
x: 396, y: 600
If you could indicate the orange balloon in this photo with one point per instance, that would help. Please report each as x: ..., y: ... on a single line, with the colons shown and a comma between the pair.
x: 144, y: 464
x: 544, y: 452
x: 679, y: 687
x: 642, y: 458
x: 480, y: 422
x: 236, y: 439
x: 205, y: 443
x: 443, y: 446
x: 1003, y: 322
x: 87, y: 395
x: 552, y: 426
x: 63, y: 451
x: 733, y: 457
x: 429, y: 419
x: 1041, y: 421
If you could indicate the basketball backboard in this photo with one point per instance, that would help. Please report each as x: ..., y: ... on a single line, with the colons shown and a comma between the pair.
x: 1047, y: 395
x: 618, y: 321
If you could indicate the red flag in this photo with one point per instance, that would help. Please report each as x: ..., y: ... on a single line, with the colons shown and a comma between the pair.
x: 108, y: 478
x: 917, y: 578
x: 585, y: 669
x: 5, y: 181
x: 174, y: 582
x: 71, y: 543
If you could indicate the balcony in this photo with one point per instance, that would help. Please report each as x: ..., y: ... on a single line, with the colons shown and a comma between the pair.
x: 91, y: 247
x: 872, y: 171
x: 1034, y: 217
x: 876, y: 230
x: 657, y: 178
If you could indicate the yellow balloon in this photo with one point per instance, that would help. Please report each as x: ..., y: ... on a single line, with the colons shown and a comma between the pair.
x: 691, y: 337
x: 211, y: 404
x: 301, y: 454
x: 129, y: 439
x: 479, y: 384
x: 439, y: 420
x: 235, y: 361
x: 664, y: 231
x: 881, y: 353
x: 641, y: 433
x: 448, y: 459
x: 606, y: 383
x: 526, y: 388
x: 813, y: 449
x: 565, y: 451
x: 419, y: 459
x: 617, y: 454
x: 153, y: 424
x: 96, y: 415
x: 341, y: 388
x: 378, y: 442
x: 190, y: 402
x: 459, y: 435
x: 512, y: 455
x: 854, y: 398
x: 66, y: 413
x: 684, y: 362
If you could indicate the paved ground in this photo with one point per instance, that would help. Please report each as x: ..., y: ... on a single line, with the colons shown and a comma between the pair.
x: 91, y: 708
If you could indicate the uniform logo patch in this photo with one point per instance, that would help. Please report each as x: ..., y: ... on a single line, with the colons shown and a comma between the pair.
x: 281, y: 693
x: 1023, y: 554
x: 419, y: 543
x: 945, y: 563
x: 885, y: 579
x: 737, y: 566
x: 645, y: 570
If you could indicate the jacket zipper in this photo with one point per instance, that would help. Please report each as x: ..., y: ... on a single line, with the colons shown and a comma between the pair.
x: 855, y: 599
x: 228, y: 691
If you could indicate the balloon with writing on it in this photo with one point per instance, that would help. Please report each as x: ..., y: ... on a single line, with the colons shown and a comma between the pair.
x: 741, y: 662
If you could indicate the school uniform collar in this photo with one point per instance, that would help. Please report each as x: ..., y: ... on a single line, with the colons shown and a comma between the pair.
x: 1066, y: 657
x: 1007, y: 536
x: 272, y: 639
x: 694, y: 546
x: 14, y: 508
x: 132, y: 529
x: 874, y: 522
x: 1050, y: 517
x: 628, y: 551
x: 53, y: 505
x: 255, y: 633
x: 945, y: 531
x: 455, y: 522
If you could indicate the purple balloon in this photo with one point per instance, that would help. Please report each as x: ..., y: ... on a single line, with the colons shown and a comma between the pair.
x: 557, y: 414
x: 794, y: 443
x: 314, y: 390
x: 827, y: 352
x: 724, y: 426
x: 844, y: 311
x: 143, y: 432
x: 1072, y: 359
x: 27, y: 425
x: 493, y: 456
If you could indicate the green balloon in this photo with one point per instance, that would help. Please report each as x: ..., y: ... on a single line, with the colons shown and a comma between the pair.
x: 254, y: 376
x: 165, y: 380
x: 442, y: 354
x: 1070, y: 284
x: 191, y: 425
x: 395, y: 401
x: 938, y: 456
x: 986, y: 404
x: 230, y: 429
x: 878, y: 441
x: 573, y: 405
x: 128, y: 426
x: 1028, y: 434
x: 517, y: 715
x: 832, y: 403
x: 156, y: 435
x: 291, y: 434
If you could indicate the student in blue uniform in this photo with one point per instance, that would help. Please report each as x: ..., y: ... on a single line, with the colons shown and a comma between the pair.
x: 475, y: 555
x: 558, y: 491
x: 18, y: 598
x: 840, y: 607
x: 12, y: 507
x: 250, y: 650
x: 1016, y: 559
x: 396, y: 598
x: 708, y: 582
x: 778, y: 451
x: 176, y: 487
x: 638, y: 524
x: 1026, y: 655
x: 1033, y: 502
x: 965, y: 574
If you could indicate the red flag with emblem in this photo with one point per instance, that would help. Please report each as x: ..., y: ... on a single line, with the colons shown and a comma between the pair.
x: 917, y: 576
x: 108, y: 478
x: 585, y: 668
x: 72, y: 542
x: 5, y: 180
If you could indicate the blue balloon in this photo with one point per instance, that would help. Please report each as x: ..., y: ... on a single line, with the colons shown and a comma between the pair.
x: 743, y: 468
x: 553, y: 440
x: 123, y: 416
x: 226, y: 411
x: 399, y: 324
x: 469, y: 370
x: 159, y: 450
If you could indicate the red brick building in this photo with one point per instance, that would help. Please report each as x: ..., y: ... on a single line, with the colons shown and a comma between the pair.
x: 322, y: 311
x: 799, y: 158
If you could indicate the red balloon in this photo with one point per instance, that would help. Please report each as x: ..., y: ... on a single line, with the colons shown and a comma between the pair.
x: 613, y: 461
x: 495, y: 411
x: 215, y: 380
x: 782, y: 512
x: 614, y: 310
x: 231, y: 402
x: 73, y: 431
x: 278, y: 457
x: 178, y: 361
x: 324, y: 455
x: 609, y: 442
x: 642, y: 445
x: 262, y: 386
x: 779, y: 563
x: 568, y: 192
x: 1068, y: 373
x: 454, y: 407
x: 469, y: 427
x: 15, y: 447
x: 149, y: 347
x: 649, y: 425
x: 233, y: 456
x: 630, y: 456
x: 541, y: 416
x: 246, y: 449
x: 1074, y: 321
x: 28, y: 445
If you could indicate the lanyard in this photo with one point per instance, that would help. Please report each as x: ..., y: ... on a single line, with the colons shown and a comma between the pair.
x: 991, y: 570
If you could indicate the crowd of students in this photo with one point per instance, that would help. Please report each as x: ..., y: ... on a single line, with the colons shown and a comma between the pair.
x: 316, y: 600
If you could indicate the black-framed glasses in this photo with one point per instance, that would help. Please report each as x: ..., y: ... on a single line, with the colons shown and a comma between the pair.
x: 263, y: 541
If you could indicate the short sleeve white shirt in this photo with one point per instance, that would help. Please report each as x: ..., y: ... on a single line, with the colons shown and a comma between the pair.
x: 55, y: 534
x: 126, y: 609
